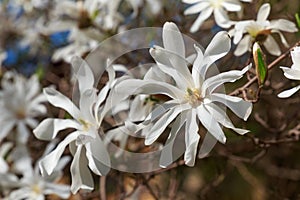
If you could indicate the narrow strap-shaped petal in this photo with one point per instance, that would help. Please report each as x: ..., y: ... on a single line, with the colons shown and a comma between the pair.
x: 87, y: 102
x: 196, y: 8
x: 213, y: 82
x: 272, y: 46
x: 49, y: 162
x: 196, y: 70
x: 210, y: 124
x: 217, y: 48
x: 172, y: 39
x: 59, y: 100
x: 222, y: 18
x: 163, y: 122
x: 232, y: 6
x: 192, y: 138
x: 283, y: 25
x: 243, y: 46
x: 6, y: 127
x: 172, y: 64
x: 48, y: 128
x: 263, y: 12
x: 207, y: 145
x: 236, y: 104
x: 290, y: 73
x: 205, y: 14
x: 136, y: 86
x: 98, y: 157
x: 167, y: 157
x: 221, y: 116
x: 288, y: 93
x: 63, y: 191
x: 80, y: 173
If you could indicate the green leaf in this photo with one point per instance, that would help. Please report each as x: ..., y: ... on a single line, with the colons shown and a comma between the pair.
x: 297, y: 19
x: 260, y: 64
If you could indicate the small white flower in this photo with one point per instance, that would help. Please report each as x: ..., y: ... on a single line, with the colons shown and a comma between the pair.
x: 85, y: 143
x: 32, y: 185
x: 193, y: 98
x: 292, y: 73
x: 249, y: 31
x: 20, y: 103
x: 217, y: 7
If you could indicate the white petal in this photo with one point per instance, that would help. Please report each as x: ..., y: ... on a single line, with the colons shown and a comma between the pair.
x: 221, y: 116
x: 283, y: 25
x: 59, y: 100
x: 136, y: 86
x: 288, y: 93
x: 98, y: 157
x: 196, y: 8
x: 221, y: 18
x: 166, y: 157
x: 173, y: 65
x: 237, y: 105
x: 200, y: 19
x: 83, y: 73
x: 210, y: 124
x: 232, y: 6
x: 162, y: 123
x: 23, y: 132
x: 213, y: 82
x: 196, y: 70
x: 49, y: 162
x: 172, y: 39
x: 282, y: 38
x: 290, y: 73
x: 48, y: 128
x: 81, y: 176
x: 87, y: 101
x: 243, y: 46
x: 192, y: 138
x: 191, y: 1
x: 217, y: 48
x: 6, y: 127
x: 208, y: 143
x: 34, y: 85
x: 63, y: 191
x: 295, y: 53
x: 263, y: 12
x: 272, y: 46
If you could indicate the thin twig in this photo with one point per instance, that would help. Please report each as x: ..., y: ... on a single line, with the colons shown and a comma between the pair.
x: 270, y: 66
x: 102, y: 187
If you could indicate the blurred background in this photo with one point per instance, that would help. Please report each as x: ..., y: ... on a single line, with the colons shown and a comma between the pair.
x: 41, y: 36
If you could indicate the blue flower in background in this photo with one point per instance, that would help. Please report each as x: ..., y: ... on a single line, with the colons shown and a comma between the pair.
x: 59, y: 39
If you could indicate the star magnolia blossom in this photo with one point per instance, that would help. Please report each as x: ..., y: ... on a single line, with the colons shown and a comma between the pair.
x: 32, y: 185
x: 247, y: 32
x: 193, y: 97
x: 85, y: 143
x: 20, y: 103
x: 292, y: 73
x: 218, y: 7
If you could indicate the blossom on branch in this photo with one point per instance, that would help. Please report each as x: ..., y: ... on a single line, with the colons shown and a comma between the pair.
x: 208, y: 7
x: 292, y: 73
x: 245, y: 33
x: 193, y: 98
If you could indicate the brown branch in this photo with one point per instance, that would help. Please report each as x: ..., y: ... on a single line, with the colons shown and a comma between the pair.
x: 102, y: 187
x: 270, y: 66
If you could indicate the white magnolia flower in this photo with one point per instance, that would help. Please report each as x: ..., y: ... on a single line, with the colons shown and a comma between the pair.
x: 193, y: 98
x: 217, y: 7
x: 20, y: 103
x: 247, y: 32
x: 32, y: 185
x: 4, y: 149
x: 85, y: 142
x: 292, y: 73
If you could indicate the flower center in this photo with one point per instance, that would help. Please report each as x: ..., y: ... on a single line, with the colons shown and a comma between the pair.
x: 86, y: 125
x: 36, y: 189
x: 193, y: 96
x: 216, y: 3
x: 20, y: 114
